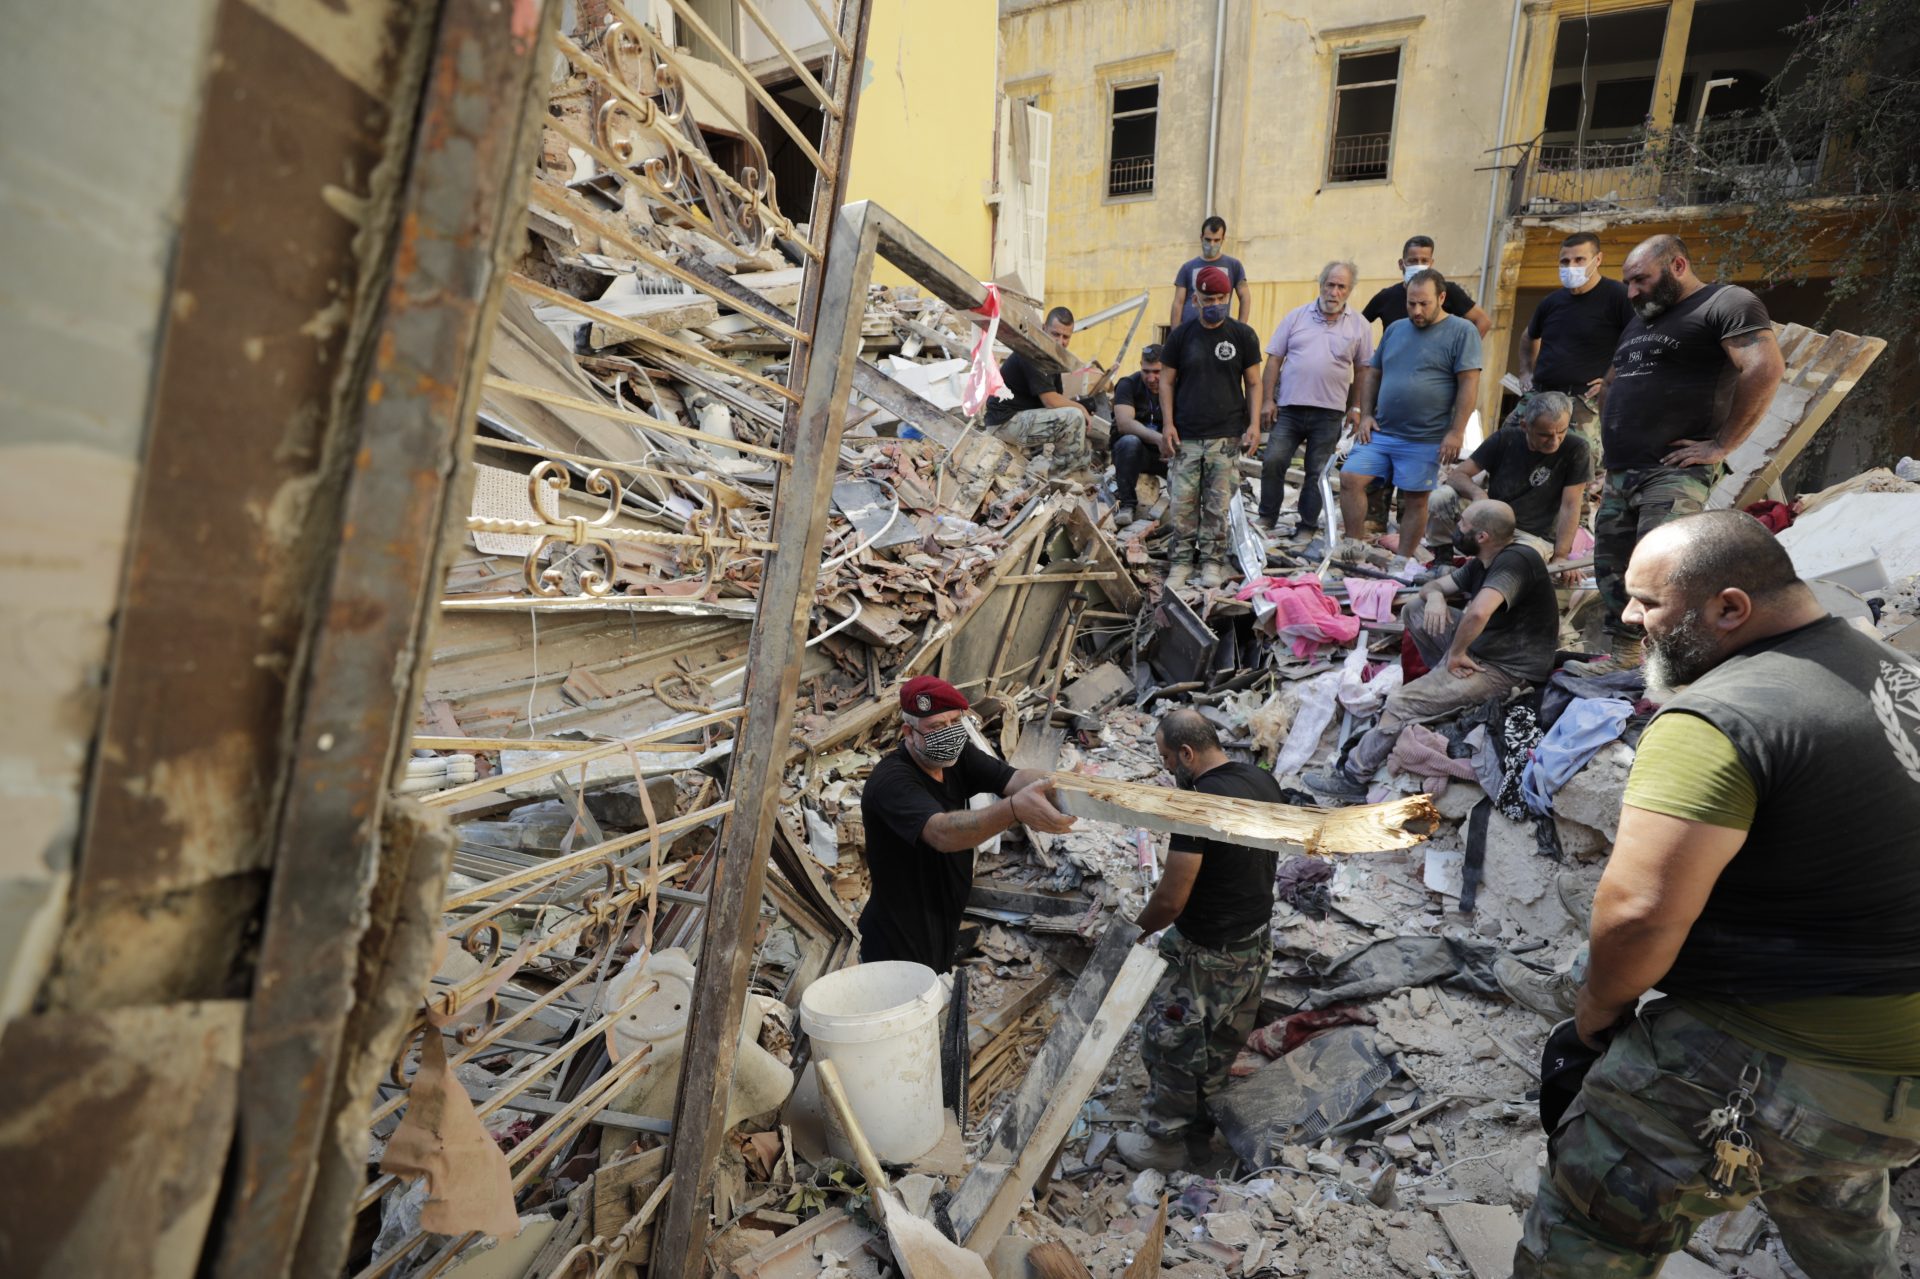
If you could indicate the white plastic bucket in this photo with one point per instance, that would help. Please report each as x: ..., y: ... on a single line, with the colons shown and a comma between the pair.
x: 879, y: 1024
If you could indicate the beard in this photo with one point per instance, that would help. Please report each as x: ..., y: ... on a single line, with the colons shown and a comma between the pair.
x: 1332, y: 308
x: 1182, y: 777
x: 1664, y: 293
x: 1682, y: 655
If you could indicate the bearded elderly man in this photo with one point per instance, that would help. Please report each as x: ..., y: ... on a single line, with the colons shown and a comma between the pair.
x: 921, y: 834
x: 1765, y: 879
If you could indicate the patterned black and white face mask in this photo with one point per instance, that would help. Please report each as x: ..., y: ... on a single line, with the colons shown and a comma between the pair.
x: 942, y: 746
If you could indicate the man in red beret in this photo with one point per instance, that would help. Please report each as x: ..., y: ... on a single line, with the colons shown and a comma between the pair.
x: 921, y: 834
x: 1210, y: 414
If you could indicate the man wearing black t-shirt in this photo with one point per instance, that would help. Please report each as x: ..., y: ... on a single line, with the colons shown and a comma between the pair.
x: 1218, y: 898
x: 1136, y: 433
x: 921, y: 834
x: 1210, y: 411
x: 1035, y: 413
x: 1390, y: 303
x: 1693, y: 375
x: 1573, y: 333
x: 1537, y: 467
x: 1506, y: 636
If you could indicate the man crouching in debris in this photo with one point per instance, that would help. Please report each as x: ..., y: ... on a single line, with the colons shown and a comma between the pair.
x: 921, y: 834
x: 1765, y: 877
x: 1218, y: 897
x: 1505, y: 637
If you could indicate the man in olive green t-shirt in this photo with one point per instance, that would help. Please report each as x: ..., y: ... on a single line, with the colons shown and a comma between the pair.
x: 1764, y: 877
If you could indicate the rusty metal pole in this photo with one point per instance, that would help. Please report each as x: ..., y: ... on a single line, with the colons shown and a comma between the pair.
x: 408, y: 413
x: 832, y: 310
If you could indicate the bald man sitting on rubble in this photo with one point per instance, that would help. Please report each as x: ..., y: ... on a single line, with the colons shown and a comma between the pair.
x: 1504, y: 637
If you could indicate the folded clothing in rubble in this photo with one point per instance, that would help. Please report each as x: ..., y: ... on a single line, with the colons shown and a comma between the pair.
x: 1582, y: 729
x: 1304, y: 613
x: 1380, y: 967
x: 1303, y: 1096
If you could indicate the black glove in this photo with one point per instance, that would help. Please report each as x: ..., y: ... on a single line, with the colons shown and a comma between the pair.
x: 1564, y: 1063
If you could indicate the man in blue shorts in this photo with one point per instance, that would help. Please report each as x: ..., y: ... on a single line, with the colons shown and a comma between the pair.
x: 1415, y: 398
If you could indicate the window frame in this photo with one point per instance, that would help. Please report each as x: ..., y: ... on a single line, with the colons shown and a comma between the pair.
x: 1114, y: 85
x: 1334, y: 88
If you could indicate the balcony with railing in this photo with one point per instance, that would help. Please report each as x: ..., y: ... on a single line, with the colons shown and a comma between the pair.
x: 1731, y: 161
x: 1360, y: 157
x: 1130, y: 175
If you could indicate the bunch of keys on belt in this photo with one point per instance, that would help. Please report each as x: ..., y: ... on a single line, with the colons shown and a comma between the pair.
x: 1733, y: 1151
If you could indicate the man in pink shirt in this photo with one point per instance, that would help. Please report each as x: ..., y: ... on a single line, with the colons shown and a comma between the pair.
x: 1308, y: 391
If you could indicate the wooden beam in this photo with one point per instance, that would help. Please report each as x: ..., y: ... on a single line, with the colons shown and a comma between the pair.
x: 1110, y: 993
x: 1366, y: 828
x: 1672, y: 66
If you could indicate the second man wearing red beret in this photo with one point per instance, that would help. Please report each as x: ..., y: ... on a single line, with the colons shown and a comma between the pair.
x: 921, y: 834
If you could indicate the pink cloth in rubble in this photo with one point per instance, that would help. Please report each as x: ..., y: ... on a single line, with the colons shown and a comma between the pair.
x: 1305, y: 614
x: 1421, y: 752
x: 1371, y: 598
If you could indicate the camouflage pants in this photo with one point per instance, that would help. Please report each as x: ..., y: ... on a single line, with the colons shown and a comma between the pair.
x: 1633, y: 505
x: 1205, y: 474
x: 1196, y: 1023
x: 1628, y: 1177
x: 1065, y: 429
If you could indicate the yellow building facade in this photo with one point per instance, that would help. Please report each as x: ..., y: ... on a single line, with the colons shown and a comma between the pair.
x: 1335, y: 130
x: 923, y: 141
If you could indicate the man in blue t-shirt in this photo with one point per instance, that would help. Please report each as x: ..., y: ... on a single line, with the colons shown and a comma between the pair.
x: 1213, y: 240
x: 1415, y: 398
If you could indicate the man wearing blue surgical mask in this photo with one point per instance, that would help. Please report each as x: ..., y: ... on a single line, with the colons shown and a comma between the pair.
x: 1390, y: 303
x: 1574, y: 330
x: 1213, y: 252
x: 921, y: 832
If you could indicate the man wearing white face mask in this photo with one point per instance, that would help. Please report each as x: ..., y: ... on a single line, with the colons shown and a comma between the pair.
x: 921, y: 834
x: 1213, y: 252
x: 1574, y: 331
x: 1390, y: 303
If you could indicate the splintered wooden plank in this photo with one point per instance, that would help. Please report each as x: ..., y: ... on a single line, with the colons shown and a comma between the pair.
x: 1112, y: 990
x: 1820, y: 370
x: 1366, y: 828
x: 1090, y: 541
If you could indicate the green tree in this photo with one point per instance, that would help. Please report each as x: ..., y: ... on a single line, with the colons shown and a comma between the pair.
x: 1852, y: 88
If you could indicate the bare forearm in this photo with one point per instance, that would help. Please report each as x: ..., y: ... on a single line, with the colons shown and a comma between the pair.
x: 1627, y: 956
x: 1367, y: 386
x: 964, y: 828
x: 1022, y: 778
x: 1752, y: 393
x: 1472, y: 622
x: 1161, y: 909
x: 1565, y: 525
x: 1269, y: 381
x: 1466, y: 395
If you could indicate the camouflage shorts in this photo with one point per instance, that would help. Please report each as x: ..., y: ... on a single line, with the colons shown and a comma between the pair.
x: 1627, y: 1183
x: 1634, y: 504
x: 1065, y: 429
x: 1205, y: 474
x: 1195, y: 1025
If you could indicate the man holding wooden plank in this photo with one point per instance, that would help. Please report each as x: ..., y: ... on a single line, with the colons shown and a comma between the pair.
x: 1218, y: 898
x: 921, y: 834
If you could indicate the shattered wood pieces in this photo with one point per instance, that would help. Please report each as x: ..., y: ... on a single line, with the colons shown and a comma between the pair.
x: 1820, y: 370
x: 1112, y: 990
x: 1284, y: 827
